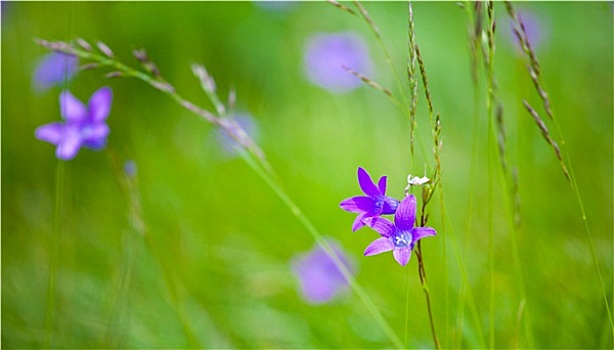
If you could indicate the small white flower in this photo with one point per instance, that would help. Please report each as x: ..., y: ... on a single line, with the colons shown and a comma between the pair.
x: 416, y: 181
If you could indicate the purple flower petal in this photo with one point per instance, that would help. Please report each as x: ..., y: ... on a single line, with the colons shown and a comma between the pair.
x: 421, y: 232
x: 72, y: 109
x: 51, y: 133
x: 95, y: 132
x: 69, y: 146
x: 383, y: 226
x: 380, y: 245
x: 390, y: 206
x: 95, y: 144
x: 100, y: 104
x: 405, y: 215
x: 366, y: 184
x: 358, y: 222
x: 402, y: 255
x: 358, y: 204
x: 382, y: 184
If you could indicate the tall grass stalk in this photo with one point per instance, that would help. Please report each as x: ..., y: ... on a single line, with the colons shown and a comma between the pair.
x: 136, y: 238
x: 422, y: 275
x: 466, y: 290
x: 251, y: 154
x: 131, y: 248
x: 474, y: 19
x: 56, y: 236
x: 361, y: 11
x: 411, y: 74
x: 365, y: 15
x: 563, y: 156
x: 175, y: 292
x: 496, y: 139
x: 428, y: 191
x: 490, y: 111
x: 491, y: 238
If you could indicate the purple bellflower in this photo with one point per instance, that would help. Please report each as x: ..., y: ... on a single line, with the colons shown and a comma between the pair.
x: 326, y: 56
x: 319, y: 277
x: 401, y: 236
x: 83, y: 126
x: 54, y: 69
x: 373, y: 204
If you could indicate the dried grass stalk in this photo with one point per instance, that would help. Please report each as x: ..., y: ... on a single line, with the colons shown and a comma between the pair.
x: 546, y: 134
x: 342, y: 7
x: 368, y: 81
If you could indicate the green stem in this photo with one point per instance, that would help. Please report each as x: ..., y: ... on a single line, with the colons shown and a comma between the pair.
x: 422, y: 275
x: 574, y: 187
x: 491, y: 237
x: 491, y: 141
x: 425, y: 288
x: 466, y: 291
x: 54, y: 254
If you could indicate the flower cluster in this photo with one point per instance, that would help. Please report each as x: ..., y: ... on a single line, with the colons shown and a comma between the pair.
x: 399, y: 237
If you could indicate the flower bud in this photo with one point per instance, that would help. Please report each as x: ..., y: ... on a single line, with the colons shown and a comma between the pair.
x: 426, y: 193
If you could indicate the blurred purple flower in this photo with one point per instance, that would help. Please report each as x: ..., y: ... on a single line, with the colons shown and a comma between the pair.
x: 54, y: 69
x: 83, y: 126
x: 247, y: 123
x: 373, y: 204
x: 536, y: 28
x: 130, y: 168
x: 401, y: 236
x: 275, y: 5
x: 319, y: 278
x: 326, y: 56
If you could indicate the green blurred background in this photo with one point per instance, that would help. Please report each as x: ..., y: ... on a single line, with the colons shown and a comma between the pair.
x: 214, y: 270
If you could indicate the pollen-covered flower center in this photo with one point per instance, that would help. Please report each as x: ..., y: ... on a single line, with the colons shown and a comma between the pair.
x: 401, y: 240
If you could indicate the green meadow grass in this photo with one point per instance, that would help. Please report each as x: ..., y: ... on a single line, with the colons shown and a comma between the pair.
x: 195, y: 251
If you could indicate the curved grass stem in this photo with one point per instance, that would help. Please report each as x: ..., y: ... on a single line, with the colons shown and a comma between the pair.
x: 251, y: 154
